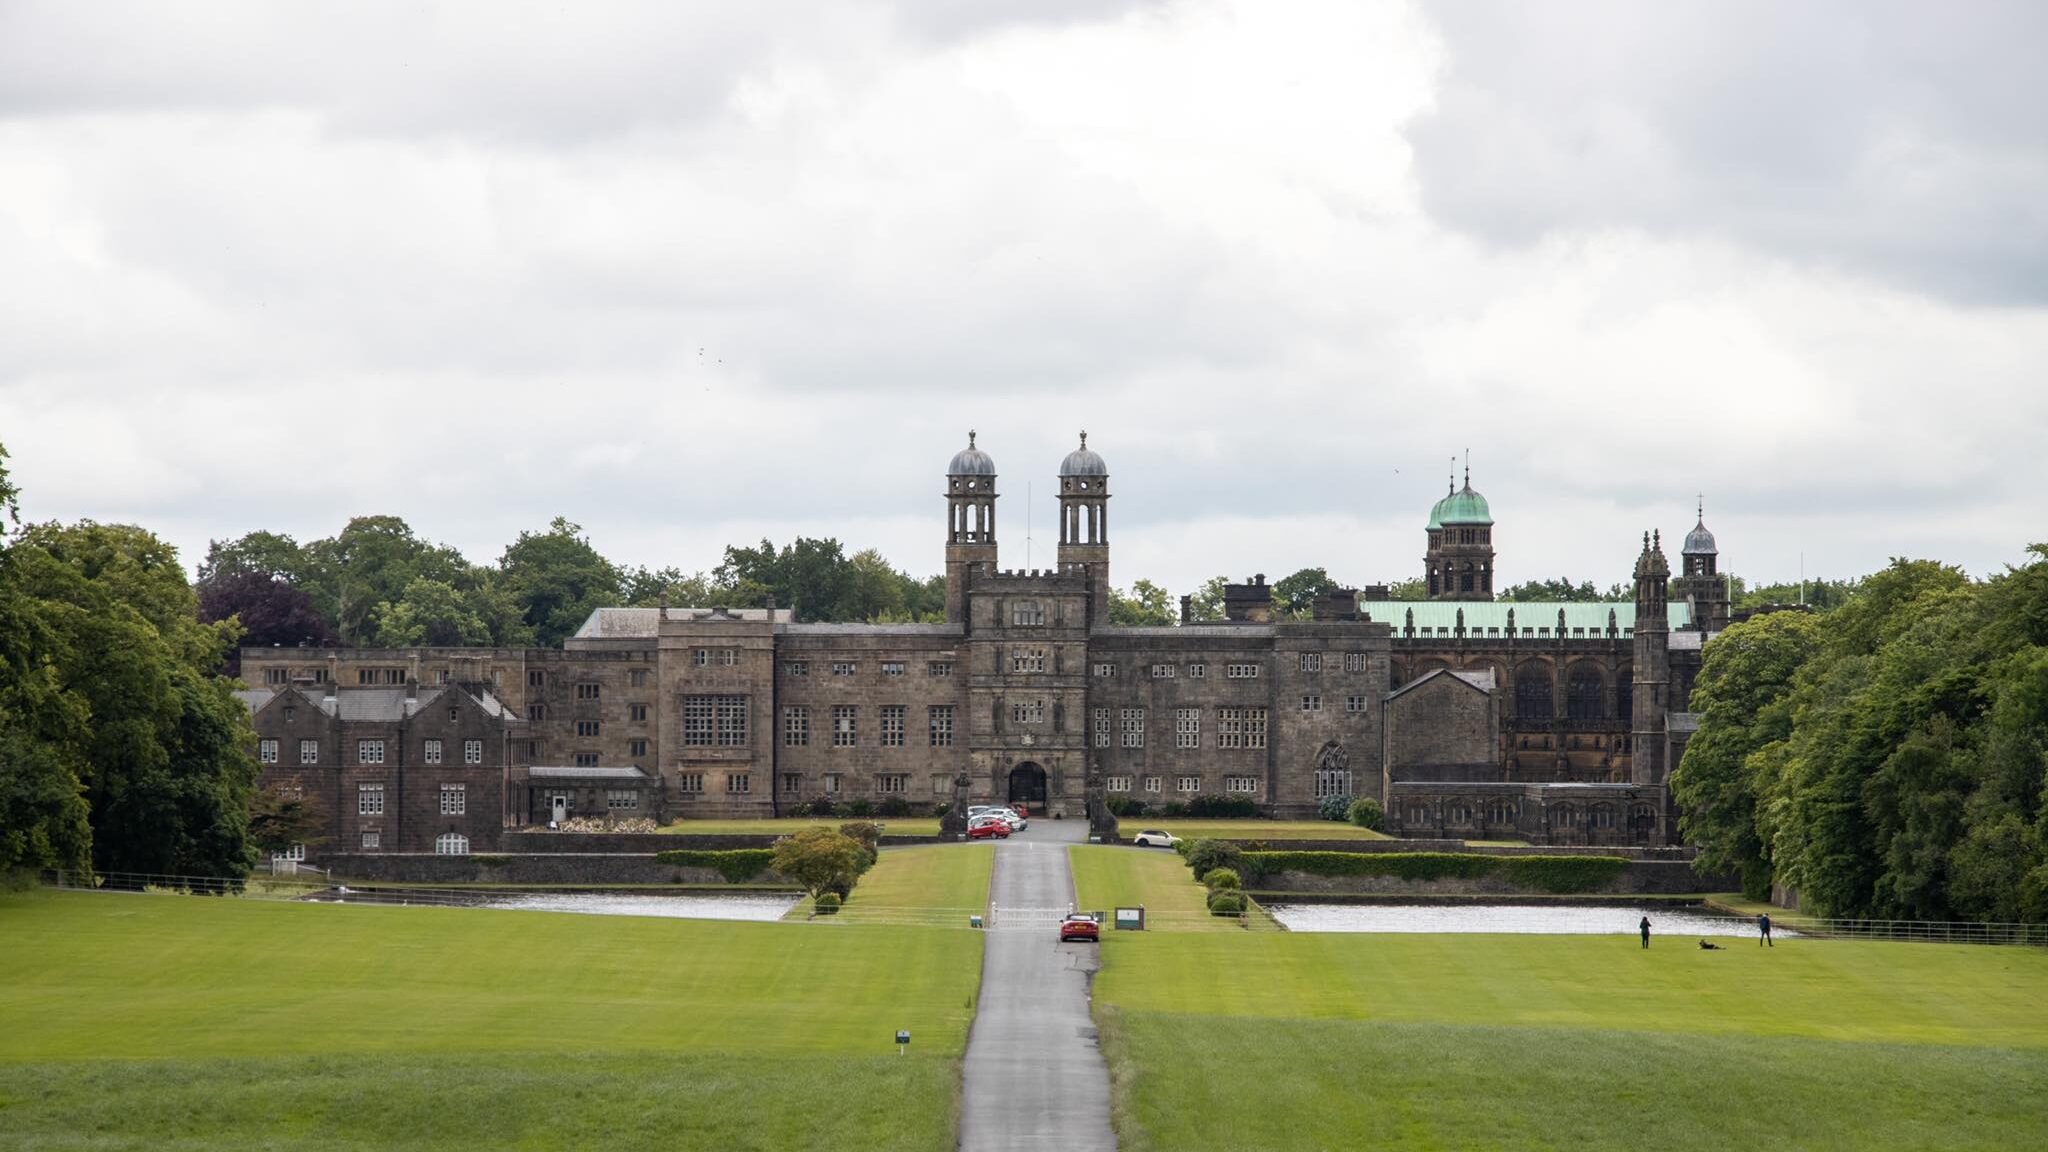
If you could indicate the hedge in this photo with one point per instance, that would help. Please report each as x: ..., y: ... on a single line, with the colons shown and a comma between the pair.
x: 1557, y: 874
x: 735, y: 864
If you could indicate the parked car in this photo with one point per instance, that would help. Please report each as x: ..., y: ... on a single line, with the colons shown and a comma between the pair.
x: 1080, y: 926
x: 1154, y: 838
x: 987, y: 829
x: 1016, y: 818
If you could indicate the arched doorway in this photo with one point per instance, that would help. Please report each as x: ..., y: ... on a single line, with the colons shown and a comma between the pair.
x: 1027, y: 785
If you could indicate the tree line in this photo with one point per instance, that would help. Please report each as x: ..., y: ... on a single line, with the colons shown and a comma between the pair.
x: 1886, y: 757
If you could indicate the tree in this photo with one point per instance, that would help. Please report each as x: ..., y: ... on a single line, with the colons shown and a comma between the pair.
x: 1741, y: 695
x: 1206, y: 605
x: 558, y: 579
x: 258, y: 553
x: 281, y: 816
x: 430, y: 612
x: 1562, y: 588
x: 370, y: 563
x: 1416, y: 589
x: 821, y: 860
x: 1146, y: 605
x: 164, y: 760
x: 1294, y: 596
x: 270, y: 610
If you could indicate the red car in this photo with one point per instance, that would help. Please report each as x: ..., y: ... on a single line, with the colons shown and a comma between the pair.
x: 1080, y: 926
x: 987, y: 829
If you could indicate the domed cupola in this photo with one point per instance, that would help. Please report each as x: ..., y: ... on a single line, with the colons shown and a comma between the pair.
x: 971, y: 461
x: 1083, y: 461
x: 1699, y: 541
x: 1458, y: 564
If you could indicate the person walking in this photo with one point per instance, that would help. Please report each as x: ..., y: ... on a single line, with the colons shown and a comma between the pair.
x: 1763, y: 928
x: 1645, y: 927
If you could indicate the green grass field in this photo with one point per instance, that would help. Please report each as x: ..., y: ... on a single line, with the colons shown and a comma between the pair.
x: 1309, y: 1041
x: 939, y: 884
x: 897, y: 826
x: 1105, y: 877
x: 190, y: 1022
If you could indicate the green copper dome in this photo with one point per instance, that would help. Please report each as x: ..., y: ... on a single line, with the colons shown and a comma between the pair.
x: 1461, y: 507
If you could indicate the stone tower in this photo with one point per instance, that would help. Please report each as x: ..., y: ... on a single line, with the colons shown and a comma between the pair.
x: 1084, y: 525
x: 1652, y: 664
x: 1701, y: 583
x: 970, y: 525
x: 1459, y: 562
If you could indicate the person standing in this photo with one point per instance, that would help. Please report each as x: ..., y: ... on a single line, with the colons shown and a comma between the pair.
x: 1763, y: 928
x: 1645, y: 927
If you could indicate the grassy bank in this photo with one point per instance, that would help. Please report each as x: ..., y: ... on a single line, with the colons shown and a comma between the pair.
x: 1191, y: 829
x: 1106, y: 877
x: 937, y: 884
x: 123, y: 1017
x: 1560, y: 1041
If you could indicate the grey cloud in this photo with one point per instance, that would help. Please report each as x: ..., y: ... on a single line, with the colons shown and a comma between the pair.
x: 1900, y: 140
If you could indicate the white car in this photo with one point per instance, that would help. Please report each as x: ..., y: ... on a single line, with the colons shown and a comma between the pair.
x: 1017, y: 821
x: 1154, y: 838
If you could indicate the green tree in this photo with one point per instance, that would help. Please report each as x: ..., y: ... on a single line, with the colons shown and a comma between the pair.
x: 820, y: 860
x: 431, y: 612
x: 1742, y: 695
x: 259, y: 553
x: 1554, y: 590
x: 558, y: 579
x: 1416, y: 589
x: 1206, y: 604
x: 280, y: 817
x: 1146, y: 605
x: 370, y: 562
x: 1294, y: 596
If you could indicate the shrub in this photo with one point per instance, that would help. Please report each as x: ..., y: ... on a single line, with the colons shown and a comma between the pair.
x: 821, y: 860
x: 1226, y: 902
x: 860, y: 809
x: 1123, y: 807
x: 1221, y: 878
x: 941, y: 808
x: 1555, y: 874
x: 1173, y: 808
x: 1336, y: 808
x: 818, y: 807
x: 894, y: 808
x: 1205, y: 856
x: 868, y: 835
x: 828, y: 903
x: 1223, y: 807
x: 490, y: 861
x: 1367, y: 813
x: 735, y: 864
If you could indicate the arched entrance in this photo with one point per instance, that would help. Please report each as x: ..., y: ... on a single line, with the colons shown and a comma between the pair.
x: 1027, y: 785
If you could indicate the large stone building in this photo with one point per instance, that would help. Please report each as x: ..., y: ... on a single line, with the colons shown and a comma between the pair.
x: 1466, y: 716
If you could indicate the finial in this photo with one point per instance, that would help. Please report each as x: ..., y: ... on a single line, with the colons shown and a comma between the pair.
x: 970, y: 437
x: 1468, y: 469
x: 1452, y: 483
x: 1084, y: 438
x: 1657, y: 538
x: 1646, y: 542
x: 1702, y: 517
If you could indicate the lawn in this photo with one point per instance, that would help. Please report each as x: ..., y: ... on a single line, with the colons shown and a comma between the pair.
x: 1105, y: 877
x: 1188, y: 829
x: 167, y: 1021
x: 1560, y: 1041
x: 937, y: 884
x: 892, y: 826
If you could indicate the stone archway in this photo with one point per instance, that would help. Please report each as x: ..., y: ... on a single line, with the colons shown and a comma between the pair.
x: 1027, y: 785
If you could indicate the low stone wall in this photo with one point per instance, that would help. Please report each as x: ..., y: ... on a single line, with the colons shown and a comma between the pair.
x: 1647, y: 877
x: 592, y: 868
x: 576, y: 843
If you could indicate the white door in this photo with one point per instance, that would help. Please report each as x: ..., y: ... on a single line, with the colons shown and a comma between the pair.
x: 560, y: 809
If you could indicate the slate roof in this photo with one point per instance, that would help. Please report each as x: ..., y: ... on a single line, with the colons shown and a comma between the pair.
x: 1481, y: 679
x: 645, y: 623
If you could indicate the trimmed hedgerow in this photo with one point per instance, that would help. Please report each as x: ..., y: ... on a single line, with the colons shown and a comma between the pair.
x: 1226, y: 902
x: 1557, y: 874
x: 735, y: 864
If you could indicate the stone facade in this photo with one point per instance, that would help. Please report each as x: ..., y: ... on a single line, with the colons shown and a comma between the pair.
x: 1028, y: 690
x: 399, y: 769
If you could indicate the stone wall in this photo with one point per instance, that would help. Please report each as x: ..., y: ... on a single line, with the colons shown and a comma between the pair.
x: 595, y: 869
x: 1648, y: 877
x: 648, y: 843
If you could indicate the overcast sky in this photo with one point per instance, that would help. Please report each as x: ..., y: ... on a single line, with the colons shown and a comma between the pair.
x: 692, y: 274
